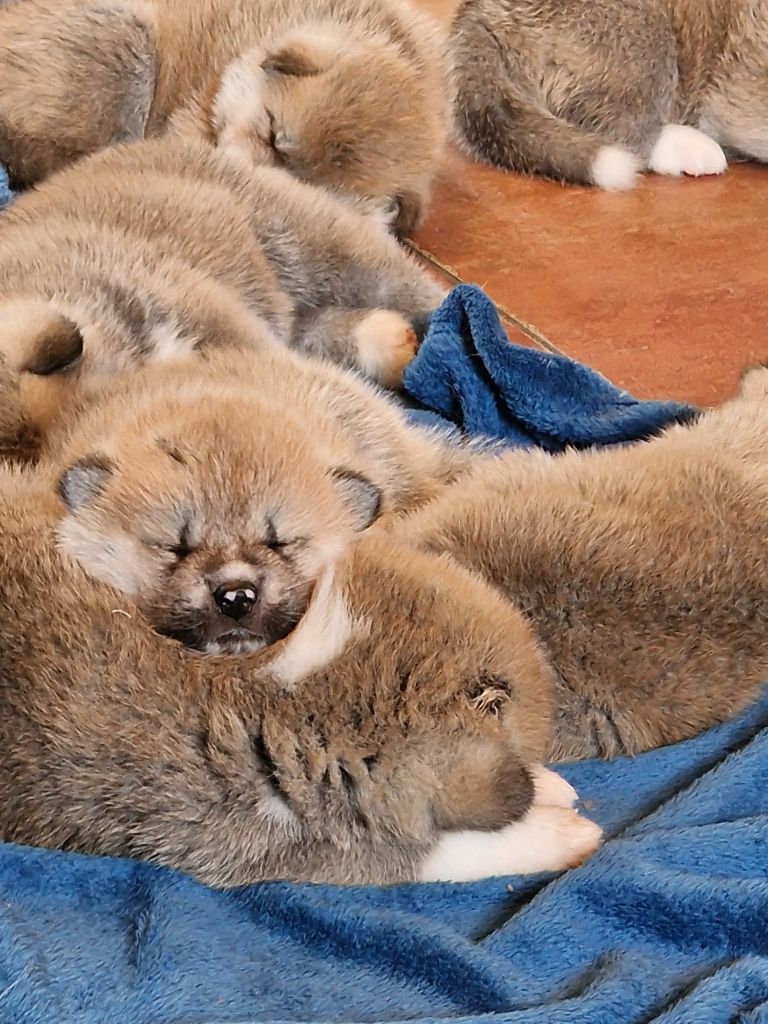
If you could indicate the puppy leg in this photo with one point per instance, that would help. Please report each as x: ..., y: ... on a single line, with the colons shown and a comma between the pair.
x: 327, y: 253
x: 681, y: 149
x: 545, y: 839
x: 378, y: 342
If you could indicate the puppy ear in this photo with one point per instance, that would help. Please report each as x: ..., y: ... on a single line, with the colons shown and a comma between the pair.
x: 57, y: 348
x: 298, y: 59
x: 84, y: 479
x: 754, y: 382
x: 36, y: 337
x: 360, y: 495
x: 409, y: 209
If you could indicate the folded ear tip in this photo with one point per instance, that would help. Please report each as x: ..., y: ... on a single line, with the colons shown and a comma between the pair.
x: 83, y: 479
x: 362, y: 495
x: 293, y: 60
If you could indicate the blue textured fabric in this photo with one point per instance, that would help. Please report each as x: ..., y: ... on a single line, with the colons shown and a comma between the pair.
x: 665, y: 924
x: 467, y: 372
x: 5, y: 189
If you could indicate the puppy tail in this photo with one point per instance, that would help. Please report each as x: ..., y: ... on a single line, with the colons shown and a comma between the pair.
x: 504, y: 124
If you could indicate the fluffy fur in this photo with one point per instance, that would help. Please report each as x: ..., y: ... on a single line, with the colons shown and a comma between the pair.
x: 216, y: 494
x: 341, y: 93
x: 593, y: 93
x: 643, y: 571
x: 427, y: 723
x: 149, y: 252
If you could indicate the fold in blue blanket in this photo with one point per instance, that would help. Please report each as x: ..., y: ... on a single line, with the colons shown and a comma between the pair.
x: 468, y: 374
x: 666, y: 923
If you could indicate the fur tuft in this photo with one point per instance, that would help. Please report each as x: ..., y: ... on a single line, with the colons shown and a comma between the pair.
x: 615, y: 169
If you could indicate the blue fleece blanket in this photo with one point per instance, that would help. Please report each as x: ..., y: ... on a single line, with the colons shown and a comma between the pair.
x: 667, y: 923
x: 5, y: 189
x: 467, y: 374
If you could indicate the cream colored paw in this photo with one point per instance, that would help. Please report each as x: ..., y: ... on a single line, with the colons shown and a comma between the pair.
x: 551, y: 789
x: 386, y: 343
x: 681, y: 149
x: 546, y: 839
x: 550, y: 839
x: 240, y: 119
x: 615, y: 169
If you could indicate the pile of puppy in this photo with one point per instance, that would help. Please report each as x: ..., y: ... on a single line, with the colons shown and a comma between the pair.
x: 255, y: 624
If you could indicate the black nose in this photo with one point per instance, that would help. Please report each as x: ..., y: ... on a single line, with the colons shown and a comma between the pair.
x: 235, y: 600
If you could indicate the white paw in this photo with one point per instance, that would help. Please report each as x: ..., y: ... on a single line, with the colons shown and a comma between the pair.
x: 549, y: 839
x: 615, y: 169
x: 551, y: 789
x: 681, y: 149
x: 386, y: 343
x: 546, y: 839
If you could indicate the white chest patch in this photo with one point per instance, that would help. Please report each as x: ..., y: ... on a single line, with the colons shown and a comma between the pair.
x: 322, y: 635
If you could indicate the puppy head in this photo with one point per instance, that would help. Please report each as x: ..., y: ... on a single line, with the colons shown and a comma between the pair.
x: 216, y: 518
x: 337, y: 112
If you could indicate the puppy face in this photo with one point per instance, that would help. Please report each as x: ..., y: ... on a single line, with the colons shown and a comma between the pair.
x: 334, y: 113
x: 217, y: 520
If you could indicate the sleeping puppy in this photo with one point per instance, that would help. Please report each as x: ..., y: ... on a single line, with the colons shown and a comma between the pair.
x: 394, y: 735
x: 278, y: 247
x: 643, y: 571
x: 215, y: 494
x: 156, y: 251
x: 349, y: 95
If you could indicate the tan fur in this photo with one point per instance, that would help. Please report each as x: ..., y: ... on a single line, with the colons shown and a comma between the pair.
x: 160, y: 249
x: 119, y: 300
x: 591, y: 93
x: 235, y: 472
x: 348, y: 95
x: 643, y: 571
x: 114, y: 740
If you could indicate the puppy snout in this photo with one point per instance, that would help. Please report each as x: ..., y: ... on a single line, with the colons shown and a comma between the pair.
x: 236, y: 600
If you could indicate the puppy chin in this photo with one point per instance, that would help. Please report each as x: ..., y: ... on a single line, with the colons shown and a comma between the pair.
x: 241, y: 639
x: 235, y: 645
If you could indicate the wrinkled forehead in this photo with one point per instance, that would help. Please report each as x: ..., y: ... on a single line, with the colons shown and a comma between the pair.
x: 227, y: 490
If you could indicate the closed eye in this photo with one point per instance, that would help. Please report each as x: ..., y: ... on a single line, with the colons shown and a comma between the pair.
x: 62, y: 351
x: 184, y: 548
x: 272, y: 132
x: 181, y: 550
x: 273, y: 541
